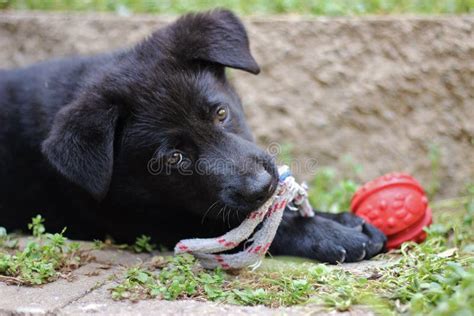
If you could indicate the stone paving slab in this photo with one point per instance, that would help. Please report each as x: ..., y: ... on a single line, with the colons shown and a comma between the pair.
x: 87, y: 292
x: 366, y: 268
x: 99, y: 302
x: 51, y: 297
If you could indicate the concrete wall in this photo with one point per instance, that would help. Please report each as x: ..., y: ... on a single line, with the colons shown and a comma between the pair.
x: 382, y: 90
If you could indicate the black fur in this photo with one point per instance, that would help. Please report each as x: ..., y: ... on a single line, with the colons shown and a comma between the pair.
x: 82, y: 141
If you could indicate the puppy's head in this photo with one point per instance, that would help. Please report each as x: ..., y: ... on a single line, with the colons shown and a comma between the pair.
x: 160, y: 125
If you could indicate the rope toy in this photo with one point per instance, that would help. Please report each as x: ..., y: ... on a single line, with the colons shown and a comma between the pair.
x: 206, y: 250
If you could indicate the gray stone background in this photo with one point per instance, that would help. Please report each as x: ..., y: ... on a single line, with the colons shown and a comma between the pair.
x: 380, y: 90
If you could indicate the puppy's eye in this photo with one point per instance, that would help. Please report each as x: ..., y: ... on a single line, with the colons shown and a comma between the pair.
x: 175, y: 158
x: 222, y: 113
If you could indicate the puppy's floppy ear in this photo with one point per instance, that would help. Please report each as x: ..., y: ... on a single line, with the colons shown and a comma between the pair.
x: 216, y: 36
x: 81, y: 141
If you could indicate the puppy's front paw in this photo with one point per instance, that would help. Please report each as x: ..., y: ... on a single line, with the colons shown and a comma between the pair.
x: 328, y: 241
x: 340, y: 243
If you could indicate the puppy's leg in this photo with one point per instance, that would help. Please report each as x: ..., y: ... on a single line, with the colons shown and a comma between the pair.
x: 326, y: 240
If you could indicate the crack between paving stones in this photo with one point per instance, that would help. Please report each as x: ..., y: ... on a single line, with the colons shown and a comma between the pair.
x: 57, y: 310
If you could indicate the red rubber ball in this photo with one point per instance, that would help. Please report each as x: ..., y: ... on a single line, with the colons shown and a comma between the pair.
x: 396, y: 204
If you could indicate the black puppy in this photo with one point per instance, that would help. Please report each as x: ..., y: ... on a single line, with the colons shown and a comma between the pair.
x: 151, y: 140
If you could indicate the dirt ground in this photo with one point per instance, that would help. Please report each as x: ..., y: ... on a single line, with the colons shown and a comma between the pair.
x: 380, y: 90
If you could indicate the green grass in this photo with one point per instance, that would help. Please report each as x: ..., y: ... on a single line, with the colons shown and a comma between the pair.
x: 434, y: 156
x: 48, y: 257
x: 332, y: 189
x: 143, y: 244
x: 330, y: 194
x: 43, y: 259
x: 311, y: 7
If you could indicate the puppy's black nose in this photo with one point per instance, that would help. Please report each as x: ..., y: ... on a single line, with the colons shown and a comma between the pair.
x: 258, y: 187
